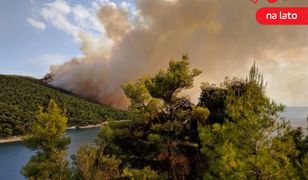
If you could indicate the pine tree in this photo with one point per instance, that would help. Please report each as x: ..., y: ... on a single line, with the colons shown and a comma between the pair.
x: 48, y: 140
x: 250, y: 143
x: 163, y: 135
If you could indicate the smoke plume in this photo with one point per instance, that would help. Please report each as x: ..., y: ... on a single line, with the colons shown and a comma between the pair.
x: 221, y: 36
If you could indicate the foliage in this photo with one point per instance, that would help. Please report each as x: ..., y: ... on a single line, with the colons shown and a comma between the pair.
x: 20, y: 97
x: 300, y: 162
x: 233, y: 133
x: 164, y: 135
x: 247, y: 142
x: 47, y: 138
x: 242, y: 139
x: 144, y: 174
x: 165, y: 85
x: 92, y: 163
x: 214, y: 97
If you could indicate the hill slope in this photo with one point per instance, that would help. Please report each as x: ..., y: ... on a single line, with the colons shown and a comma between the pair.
x: 20, y: 97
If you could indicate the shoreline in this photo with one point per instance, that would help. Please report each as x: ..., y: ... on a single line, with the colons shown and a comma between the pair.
x: 19, y: 138
x: 11, y: 139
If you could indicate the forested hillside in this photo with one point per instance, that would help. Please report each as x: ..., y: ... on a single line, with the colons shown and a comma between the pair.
x: 20, y: 98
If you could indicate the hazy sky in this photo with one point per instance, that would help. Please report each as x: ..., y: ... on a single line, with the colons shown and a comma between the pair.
x: 222, y: 37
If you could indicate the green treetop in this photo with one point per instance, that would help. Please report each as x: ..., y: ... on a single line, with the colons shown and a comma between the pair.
x: 47, y: 138
x: 248, y: 142
x: 163, y: 135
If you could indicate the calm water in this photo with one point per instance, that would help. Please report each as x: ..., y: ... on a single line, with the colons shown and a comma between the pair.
x: 14, y: 155
x: 297, y: 116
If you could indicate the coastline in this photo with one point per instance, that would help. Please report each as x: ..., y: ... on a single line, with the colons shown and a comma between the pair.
x: 11, y: 139
x: 20, y: 138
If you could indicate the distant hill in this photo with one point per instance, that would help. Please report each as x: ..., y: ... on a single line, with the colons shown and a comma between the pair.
x: 21, y: 96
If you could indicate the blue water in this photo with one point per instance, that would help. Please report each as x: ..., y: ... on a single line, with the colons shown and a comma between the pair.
x: 14, y: 155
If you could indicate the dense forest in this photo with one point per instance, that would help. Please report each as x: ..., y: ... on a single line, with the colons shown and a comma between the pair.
x: 234, y: 132
x: 21, y: 96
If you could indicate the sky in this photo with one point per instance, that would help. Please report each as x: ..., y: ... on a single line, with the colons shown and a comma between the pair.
x: 100, y: 44
x: 35, y: 34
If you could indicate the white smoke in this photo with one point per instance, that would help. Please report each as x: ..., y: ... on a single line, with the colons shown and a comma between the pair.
x: 221, y: 36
